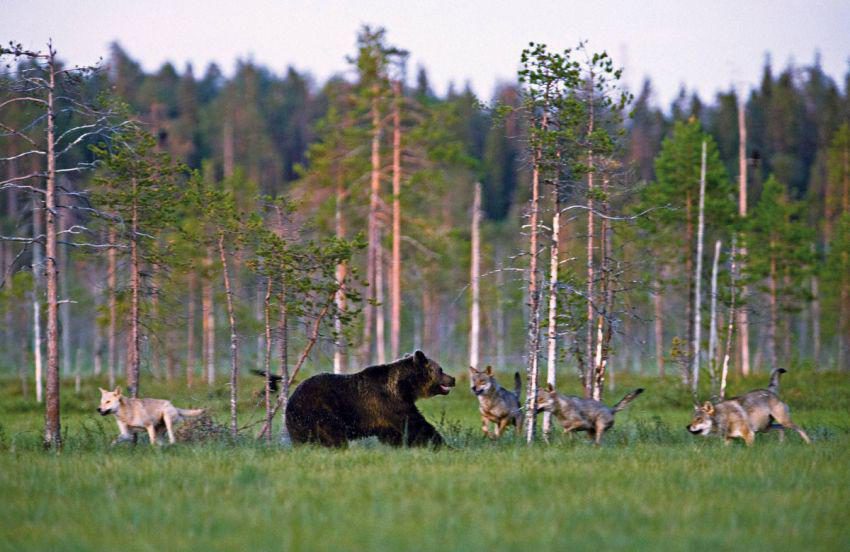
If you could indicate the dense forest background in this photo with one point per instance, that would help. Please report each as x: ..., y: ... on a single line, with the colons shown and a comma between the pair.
x: 258, y: 137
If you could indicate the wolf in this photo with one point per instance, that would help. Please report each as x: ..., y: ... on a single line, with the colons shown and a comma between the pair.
x: 495, y: 403
x: 580, y: 414
x: 742, y: 417
x: 137, y: 415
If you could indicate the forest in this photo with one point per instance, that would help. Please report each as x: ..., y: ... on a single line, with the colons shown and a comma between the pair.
x: 181, y: 233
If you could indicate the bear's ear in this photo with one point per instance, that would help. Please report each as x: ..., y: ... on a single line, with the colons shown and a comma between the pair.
x: 489, y: 370
x: 420, y: 358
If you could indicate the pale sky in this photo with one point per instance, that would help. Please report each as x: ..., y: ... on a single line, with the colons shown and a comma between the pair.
x: 705, y: 45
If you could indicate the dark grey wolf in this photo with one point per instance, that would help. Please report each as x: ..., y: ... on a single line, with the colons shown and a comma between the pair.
x: 495, y: 403
x: 580, y: 414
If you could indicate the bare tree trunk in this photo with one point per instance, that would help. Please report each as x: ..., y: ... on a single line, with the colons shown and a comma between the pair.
x: 589, y: 346
x: 133, y: 360
x: 259, y: 359
x: 657, y: 302
x: 112, y: 284
x: 730, y: 330
x: 603, y: 339
x: 287, y: 379
x: 234, y: 339
x: 395, y: 278
x: 474, y: 274
x: 533, y: 297
x: 380, y: 322
x: 52, y: 423
x: 369, y: 314
x: 712, y: 330
x: 552, y: 330
x: 268, y: 357
x: 743, y: 317
x: 340, y: 347
x: 689, y: 270
x: 208, y: 314
x: 696, y: 347
x: 38, y: 283
x: 190, y: 327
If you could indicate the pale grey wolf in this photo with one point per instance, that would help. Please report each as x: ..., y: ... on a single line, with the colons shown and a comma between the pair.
x: 495, y: 403
x: 580, y: 414
x: 137, y: 415
x: 742, y: 417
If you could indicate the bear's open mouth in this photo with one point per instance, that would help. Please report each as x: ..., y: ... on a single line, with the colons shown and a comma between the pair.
x: 444, y: 389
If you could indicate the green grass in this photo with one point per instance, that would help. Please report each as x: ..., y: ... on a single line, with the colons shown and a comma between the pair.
x: 650, y: 486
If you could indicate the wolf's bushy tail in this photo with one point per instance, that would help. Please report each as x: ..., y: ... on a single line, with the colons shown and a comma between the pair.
x: 773, y: 387
x: 518, y: 386
x: 190, y: 412
x: 624, y: 402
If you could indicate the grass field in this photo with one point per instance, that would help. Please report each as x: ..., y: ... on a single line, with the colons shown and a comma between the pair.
x: 651, y: 486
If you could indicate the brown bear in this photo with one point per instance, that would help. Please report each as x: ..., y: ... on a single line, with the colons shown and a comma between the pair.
x: 331, y: 409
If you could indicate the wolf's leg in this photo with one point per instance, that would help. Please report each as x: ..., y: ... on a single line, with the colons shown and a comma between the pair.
x: 151, y: 434
x: 485, y: 426
x: 748, y: 435
x: 780, y: 414
x: 123, y: 433
x: 501, y: 425
x: 169, y: 427
x: 601, y: 426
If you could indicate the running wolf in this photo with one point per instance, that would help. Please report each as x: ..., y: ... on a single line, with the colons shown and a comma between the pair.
x: 579, y: 414
x: 744, y: 416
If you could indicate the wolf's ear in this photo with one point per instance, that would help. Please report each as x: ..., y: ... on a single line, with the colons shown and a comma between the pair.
x: 420, y: 358
x: 709, y: 408
x: 103, y: 391
x: 117, y: 390
x: 550, y: 388
x: 472, y: 370
x: 489, y: 370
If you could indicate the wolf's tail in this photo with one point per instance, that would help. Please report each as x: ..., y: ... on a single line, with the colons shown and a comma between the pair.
x: 191, y: 412
x: 773, y: 387
x: 517, y: 385
x: 624, y: 402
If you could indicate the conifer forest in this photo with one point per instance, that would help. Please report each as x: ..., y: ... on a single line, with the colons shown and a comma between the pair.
x: 187, y: 233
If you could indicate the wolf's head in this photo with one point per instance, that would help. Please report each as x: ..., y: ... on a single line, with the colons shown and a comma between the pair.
x: 110, y: 401
x: 547, y: 399
x: 481, y: 382
x: 703, y: 421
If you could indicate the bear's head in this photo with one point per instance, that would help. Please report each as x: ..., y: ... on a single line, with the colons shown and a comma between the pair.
x: 423, y: 377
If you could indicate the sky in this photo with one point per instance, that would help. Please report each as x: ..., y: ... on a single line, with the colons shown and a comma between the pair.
x: 707, y: 46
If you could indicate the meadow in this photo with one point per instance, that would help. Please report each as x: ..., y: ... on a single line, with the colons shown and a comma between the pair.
x: 650, y: 486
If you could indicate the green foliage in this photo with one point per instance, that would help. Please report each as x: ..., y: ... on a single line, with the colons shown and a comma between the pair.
x: 780, y: 239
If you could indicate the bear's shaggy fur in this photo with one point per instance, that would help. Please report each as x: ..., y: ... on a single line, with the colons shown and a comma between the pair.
x: 379, y: 401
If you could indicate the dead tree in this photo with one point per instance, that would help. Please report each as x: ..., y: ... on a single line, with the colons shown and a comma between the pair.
x: 49, y: 89
x: 474, y: 275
